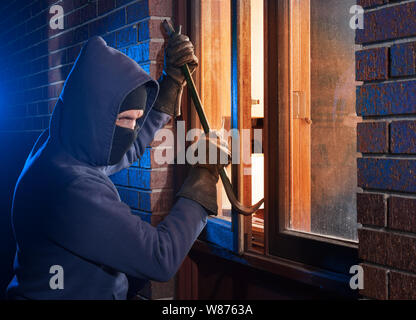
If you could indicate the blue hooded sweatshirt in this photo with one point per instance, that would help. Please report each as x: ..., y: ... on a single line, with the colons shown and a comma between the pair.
x: 67, y: 212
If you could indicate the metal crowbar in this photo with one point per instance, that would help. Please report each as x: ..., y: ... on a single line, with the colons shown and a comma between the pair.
x: 237, y: 205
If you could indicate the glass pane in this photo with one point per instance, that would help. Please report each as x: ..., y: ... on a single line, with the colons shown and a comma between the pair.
x: 323, y: 119
x: 215, y: 71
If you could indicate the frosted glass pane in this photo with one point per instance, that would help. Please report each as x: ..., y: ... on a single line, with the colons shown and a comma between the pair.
x: 333, y: 133
x: 323, y: 119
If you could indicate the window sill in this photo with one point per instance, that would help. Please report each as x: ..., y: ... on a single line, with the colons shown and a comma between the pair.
x: 319, y: 278
x: 218, y: 231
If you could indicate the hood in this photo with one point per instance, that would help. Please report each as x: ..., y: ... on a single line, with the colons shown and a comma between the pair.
x: 84, y: 117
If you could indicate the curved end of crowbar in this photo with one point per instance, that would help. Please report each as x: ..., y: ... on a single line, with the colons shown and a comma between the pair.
x: 237, y: 205
x: 245, y: 210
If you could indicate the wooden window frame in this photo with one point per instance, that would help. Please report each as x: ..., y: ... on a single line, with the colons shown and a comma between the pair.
x: 289, y: 254
x: 225, y: 234
x: 326, y: 253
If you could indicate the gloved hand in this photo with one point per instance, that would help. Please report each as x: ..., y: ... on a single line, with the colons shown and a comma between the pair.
x: 200, y: 185
x: 179, y: 51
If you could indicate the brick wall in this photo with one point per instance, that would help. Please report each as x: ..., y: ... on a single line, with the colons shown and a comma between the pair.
x: 35, y: 61
x: 386, y: 100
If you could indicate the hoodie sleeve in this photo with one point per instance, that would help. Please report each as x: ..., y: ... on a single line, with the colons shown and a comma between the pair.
x: 155, y: 121
x: 90, y: 222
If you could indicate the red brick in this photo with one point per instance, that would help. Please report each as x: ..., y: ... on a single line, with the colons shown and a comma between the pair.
x: 67, y: 5
x: 371, y: 209
x: 80, y: 3
x: 56, y: 59
x: 373, y: 246
x: 88, y: 12
x: 116, y: 20
x: 389, y: 249
x: 155, y: 29
x: 150, y: 29
x: 388, y: 23
x: 146, y: 52
x: 150, y: 179
x: 160, y: 8
x: 51, y: 105
x: 137, y: 11
x: 60, y: 41
x: 387, y: 174
x: 73, y: 19
x: 373, y: 137
x: 73, y: 52
x: 156, y: 201
x: 372, y: 64
x: 156, y: 70
x: 120, y: 3
x: 403, y: 59
x: 126, y: 36
x: 402, y: 214
x: 371, y: 3
x: 80, y: 34
x: 402, y: 286
x: 156, y: 51
x: 97, y: 27
x: 58, y: 74
x: 105, y: 6
x: 403, y: 137
x: 53, y: 91
x: 401, y: 252
x: 375, y: 282
x: 161, y: 178
x: 387, y: 99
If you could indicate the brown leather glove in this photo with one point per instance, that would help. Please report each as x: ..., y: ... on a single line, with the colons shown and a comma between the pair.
x: 201, y: 183
x: 179, y: 51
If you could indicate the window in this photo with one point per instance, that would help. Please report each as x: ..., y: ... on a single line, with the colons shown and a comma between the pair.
x: 233, y: 97
x: 213, y: 42
x: 323, y: 120
x: 285, y: 67
x: 310, y: 197
x: 215, y: 73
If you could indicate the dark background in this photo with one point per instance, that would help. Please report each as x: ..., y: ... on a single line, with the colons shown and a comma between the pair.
x: 14, y: 148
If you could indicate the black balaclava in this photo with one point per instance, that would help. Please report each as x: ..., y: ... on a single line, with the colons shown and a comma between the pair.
x: 124, y: 137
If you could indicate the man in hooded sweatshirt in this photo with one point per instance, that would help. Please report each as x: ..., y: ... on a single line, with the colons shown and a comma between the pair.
x: 67, y: 215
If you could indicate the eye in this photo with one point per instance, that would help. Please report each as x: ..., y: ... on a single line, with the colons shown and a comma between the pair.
x: 126, y: 122
x: 126, y: 118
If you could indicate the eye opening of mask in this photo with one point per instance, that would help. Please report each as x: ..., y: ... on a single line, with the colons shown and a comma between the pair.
x: 123, y: 137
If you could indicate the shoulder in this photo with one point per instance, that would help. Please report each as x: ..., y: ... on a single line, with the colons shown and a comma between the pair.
x: 78, y: 177
x: 84, y: 195
x: 89, y: 183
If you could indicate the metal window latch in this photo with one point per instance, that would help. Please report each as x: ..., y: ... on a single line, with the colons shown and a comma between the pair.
x: 299, y: 107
